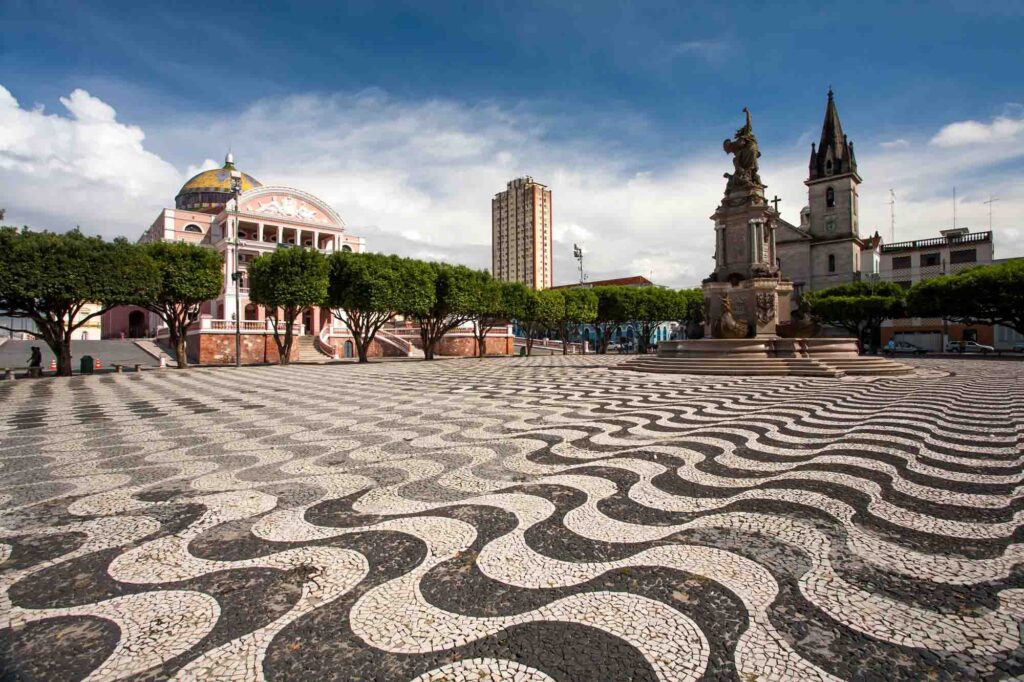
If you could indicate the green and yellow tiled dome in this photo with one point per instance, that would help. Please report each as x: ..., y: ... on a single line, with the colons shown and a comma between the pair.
x: 210, y: 190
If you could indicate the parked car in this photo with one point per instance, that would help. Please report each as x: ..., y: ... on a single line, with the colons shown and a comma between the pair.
x: 968, y: 347
x: 904, y: 347
x: 1018, y: 347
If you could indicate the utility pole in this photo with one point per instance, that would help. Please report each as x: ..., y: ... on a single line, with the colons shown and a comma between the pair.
x: 892, y: 215
x: 577, y: 253
x: 236, y: 274
x: 991, y: 200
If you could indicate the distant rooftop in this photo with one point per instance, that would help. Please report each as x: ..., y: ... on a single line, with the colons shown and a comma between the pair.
x: 634, y: 281
x: 953, y: 237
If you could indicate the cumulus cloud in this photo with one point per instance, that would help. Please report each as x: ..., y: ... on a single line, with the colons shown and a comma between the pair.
x: 1001, y: 129
x: 416, y: 178
x: 894, y: 144
x: 83, y: 168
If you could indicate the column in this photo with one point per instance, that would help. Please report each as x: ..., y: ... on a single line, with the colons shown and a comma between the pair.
x: 316, y: 240
x: 751, y: 242
x: 259, y: 232
x: 280, y: 234
x: 773, y: 254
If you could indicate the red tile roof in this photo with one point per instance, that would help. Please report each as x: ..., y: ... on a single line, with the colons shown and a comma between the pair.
x: 634, y: 281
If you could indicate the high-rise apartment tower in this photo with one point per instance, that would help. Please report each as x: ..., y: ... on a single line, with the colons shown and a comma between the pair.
x: 521, y: 234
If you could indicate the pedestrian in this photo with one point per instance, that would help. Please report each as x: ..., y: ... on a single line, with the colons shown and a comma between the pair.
x: 36, y: 358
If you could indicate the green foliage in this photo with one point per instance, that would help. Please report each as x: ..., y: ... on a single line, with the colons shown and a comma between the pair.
x: 616, y: 305
x: 49, y: 277
x: 188, y: 275
x: 540, y: 311
x: 371, y: 288
x: 859, y: 307
x: 691, y: 302
x: 988, y: 294
x: 579, y: 306
x: 286, y: 282
x: 652, y: 306
x: 493, y: 302
x: 452, y: 304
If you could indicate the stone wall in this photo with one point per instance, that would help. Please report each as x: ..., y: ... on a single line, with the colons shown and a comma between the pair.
x: 465, y: 346
x: 219, y: 349
x: 377, y: 349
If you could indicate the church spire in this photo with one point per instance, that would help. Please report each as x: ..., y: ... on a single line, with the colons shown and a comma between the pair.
x: 834, y: 154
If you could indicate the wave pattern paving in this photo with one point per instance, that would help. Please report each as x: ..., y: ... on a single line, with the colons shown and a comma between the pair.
x: 513, y: 519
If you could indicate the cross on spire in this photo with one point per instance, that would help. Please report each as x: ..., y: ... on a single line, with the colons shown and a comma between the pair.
x: 775, y: 201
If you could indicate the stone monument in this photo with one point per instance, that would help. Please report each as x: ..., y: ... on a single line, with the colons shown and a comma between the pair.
x: 746, y: 296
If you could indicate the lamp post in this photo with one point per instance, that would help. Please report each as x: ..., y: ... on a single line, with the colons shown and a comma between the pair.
x: 236, y: 274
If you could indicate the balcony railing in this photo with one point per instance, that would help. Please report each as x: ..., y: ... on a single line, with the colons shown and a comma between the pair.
x: 209, y: 325
x: 970, y: 238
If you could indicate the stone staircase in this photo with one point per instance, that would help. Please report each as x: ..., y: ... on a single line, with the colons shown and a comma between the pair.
x: 398, y: 342
x: 739, y: 366
x: 308, y: 352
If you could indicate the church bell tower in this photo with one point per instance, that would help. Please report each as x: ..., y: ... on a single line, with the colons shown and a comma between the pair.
x: 832, y: 181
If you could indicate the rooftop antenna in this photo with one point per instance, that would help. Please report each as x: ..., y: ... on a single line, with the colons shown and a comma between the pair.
x: 892, y: 215
x: 991, y: 200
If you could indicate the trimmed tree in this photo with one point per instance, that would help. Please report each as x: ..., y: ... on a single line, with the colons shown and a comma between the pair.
x: 189, y: 275
x: 537, y: 311
x: 450, y: 307
x: 691, y: 307
x: 616, y: 305
x: 491, y: 306
x: 858, y: 307
x: 655, y: 305
x: 369, y: 289
x: 286, y: 282
x: 579, y: 306
x: 988, y: 294
x: 50, y: 278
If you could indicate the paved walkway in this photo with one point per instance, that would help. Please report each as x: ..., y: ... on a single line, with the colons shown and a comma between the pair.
x: 519, y: 519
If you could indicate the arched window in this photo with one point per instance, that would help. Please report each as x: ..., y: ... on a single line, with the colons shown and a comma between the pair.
x: 346, y: 248
x: 830, y: 198
x: 831, y: 262
x: 251, y: 312
x: 193, y: 228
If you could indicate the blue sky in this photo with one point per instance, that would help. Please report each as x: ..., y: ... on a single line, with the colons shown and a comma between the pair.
x: 396, y: 112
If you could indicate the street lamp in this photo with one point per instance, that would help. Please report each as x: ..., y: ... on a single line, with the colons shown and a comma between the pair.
x: 236, y: 274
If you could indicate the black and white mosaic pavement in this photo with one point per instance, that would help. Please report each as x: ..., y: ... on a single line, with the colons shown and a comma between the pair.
x: 513, y: 519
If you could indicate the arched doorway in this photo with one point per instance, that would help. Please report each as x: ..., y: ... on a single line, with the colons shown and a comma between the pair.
x: 348, y: 349
x: 136, y: 324
x: 252, y: 312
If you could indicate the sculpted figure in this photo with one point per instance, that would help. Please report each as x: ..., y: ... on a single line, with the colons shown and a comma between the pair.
x: 745, y: 153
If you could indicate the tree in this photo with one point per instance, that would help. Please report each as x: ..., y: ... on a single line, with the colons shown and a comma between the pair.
x: 988, y: 294
x: 491, y: 306
x: 654, y: 305
x: 537, y: 311
x: 616, y: 305
x: 49, y: 278
x: 450, y: 306
x: 858, y: 307
x: 369, y: 289
x: 691, y: 303
x: 188, y: 276
x: 578, y: 306
x: 286, y: 282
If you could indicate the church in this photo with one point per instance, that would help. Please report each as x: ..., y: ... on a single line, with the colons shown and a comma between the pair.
x: 827, y: 249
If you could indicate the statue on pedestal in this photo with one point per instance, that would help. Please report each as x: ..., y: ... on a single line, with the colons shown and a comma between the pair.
x: 745, y: 153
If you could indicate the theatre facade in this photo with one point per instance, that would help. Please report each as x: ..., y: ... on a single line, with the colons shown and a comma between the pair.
x: 268, y: 217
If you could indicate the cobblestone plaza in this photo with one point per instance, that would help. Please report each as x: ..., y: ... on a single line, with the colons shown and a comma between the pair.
x: 513, y: 519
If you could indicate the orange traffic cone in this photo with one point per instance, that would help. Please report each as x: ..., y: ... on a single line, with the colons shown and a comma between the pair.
x: 53, y: 364
x: 98, y: 364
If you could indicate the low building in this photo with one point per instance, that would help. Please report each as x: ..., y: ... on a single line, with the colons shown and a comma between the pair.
x: 626, y: 335
x: 909, y: 262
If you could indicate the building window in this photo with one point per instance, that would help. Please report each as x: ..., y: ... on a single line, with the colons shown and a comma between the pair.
x: 906, y: 284
x: 193, y: 228
x: 901, y: 263
x: 831, y: 262
x: 929, y: 259
x: 830, y: 198
x: 964, y: 256
x: 346, y: 248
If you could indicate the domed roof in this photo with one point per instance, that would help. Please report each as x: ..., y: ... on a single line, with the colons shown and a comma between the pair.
x: 210, y: 190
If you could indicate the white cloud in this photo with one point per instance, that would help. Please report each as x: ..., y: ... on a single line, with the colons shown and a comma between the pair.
x: 84, y: 168
x: 416, y: 178
x: 207, y: 164
x: 710, y: 51
x: 1002, y: 129
x: 894, y: 144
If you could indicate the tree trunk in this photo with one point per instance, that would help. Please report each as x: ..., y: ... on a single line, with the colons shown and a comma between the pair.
x: 529, y: 344
x: 64, y: 359
x: 362, y: 347
x: 426, y: 340
x: 180, y: 351
x: 284, y: 356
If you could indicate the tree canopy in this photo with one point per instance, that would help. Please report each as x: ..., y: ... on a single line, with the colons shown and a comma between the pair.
x: 988, y: 294
x: 858, y: 307
x: 578, y: 306
x: 286, y: 282
x: 188, y: 276
x: 50, y: 278
x: 450, y: 306
x: 369, y: 289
